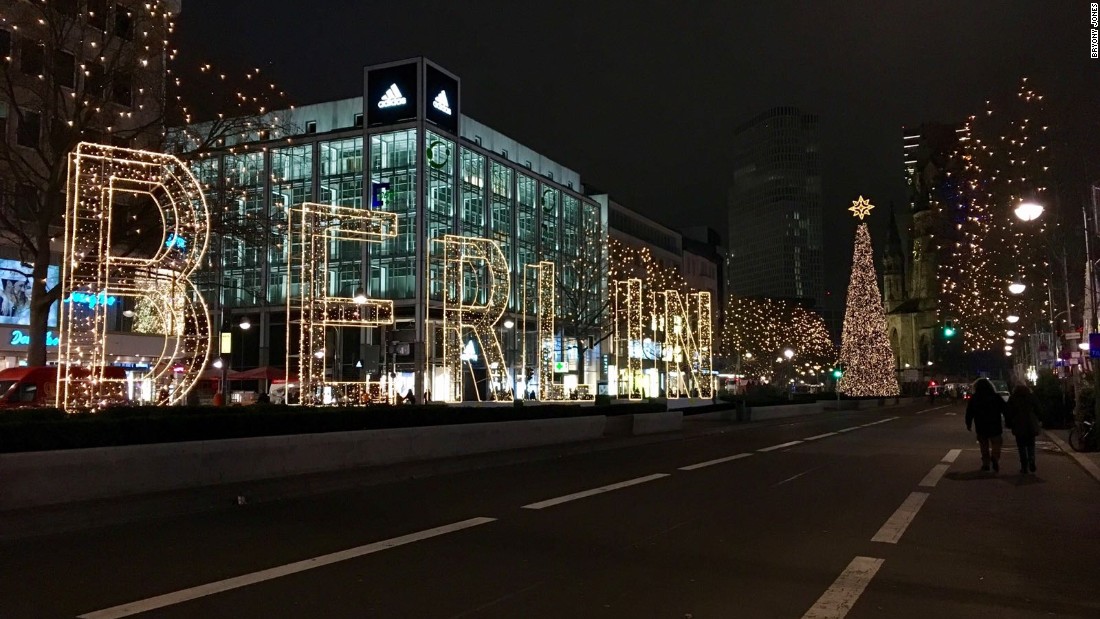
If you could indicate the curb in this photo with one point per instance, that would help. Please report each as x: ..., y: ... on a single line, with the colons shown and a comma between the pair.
x: 1085, y: 463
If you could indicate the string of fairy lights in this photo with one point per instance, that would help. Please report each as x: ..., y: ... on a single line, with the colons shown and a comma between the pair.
x: 1003, y: 159
x: 757, y: 330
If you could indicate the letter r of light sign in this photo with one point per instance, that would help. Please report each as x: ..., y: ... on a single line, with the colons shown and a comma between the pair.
x: 107, y: 188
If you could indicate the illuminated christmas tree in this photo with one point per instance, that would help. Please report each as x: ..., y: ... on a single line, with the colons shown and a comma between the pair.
x: 865, y: 349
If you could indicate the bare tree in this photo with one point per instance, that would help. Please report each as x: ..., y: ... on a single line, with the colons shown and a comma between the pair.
x: 95, y: 71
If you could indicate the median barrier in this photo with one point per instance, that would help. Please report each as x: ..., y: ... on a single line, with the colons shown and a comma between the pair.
x: 645, y: 423
x: 35, y: 479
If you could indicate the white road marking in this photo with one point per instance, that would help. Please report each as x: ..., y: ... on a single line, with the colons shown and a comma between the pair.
x: 839, y: 598
x: 814, y: 438
x: 699, y: 465
x: 779, y: 446
x: 847, y: 429
x: 933, y: 477
x: 795, y: 477
x: 169, y: 599
x: 875, y: 423
x: 892, y: 531
x: 927, y: 410
x: 952, y: 455
x: 594, y: 491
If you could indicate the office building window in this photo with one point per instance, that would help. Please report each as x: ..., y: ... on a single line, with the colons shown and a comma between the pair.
x: 473, y: 193
x: 124, y: 23
x: 311, y: 126
x: 32, y: 57
x: 29, y: 130
x: 64, y: 70
x: 122, y: 90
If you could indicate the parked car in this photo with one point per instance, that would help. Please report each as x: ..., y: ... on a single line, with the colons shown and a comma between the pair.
x: 36, y: 386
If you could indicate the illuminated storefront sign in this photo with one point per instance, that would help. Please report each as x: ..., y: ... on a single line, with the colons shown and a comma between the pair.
x: 392, y: 98
x: 18, y: 338
x: 91, y: 300
x: 440, y: 103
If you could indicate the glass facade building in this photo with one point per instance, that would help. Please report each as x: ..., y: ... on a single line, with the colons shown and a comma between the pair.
x: 439, y: 177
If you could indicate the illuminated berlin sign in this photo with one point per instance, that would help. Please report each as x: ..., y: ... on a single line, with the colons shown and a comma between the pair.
x: 392, y: 98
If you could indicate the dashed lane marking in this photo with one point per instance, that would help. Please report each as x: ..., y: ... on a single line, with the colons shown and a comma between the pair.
x: 699, y: 465
x: 780, y: 446
x: 169, y: 599
x: 814, y: 438
x: 594, y: 491
x: 839, y: 598
x: 933, y: 477
x: 951, y: 456
x: 895, y: 527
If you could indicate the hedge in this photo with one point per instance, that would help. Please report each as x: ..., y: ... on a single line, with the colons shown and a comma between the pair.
x: 47, y: 429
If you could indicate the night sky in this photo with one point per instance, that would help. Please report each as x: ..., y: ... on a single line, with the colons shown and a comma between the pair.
x: 641, y: 98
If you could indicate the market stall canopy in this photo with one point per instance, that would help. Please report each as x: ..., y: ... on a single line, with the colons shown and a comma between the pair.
x: 267, y: 372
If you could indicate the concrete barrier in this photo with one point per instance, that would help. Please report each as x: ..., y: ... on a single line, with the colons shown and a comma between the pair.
x: 645, y: 423
x: 652, y: 423
x: 34, y: 479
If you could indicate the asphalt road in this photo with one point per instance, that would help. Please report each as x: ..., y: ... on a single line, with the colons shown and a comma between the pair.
x: 882, y: 520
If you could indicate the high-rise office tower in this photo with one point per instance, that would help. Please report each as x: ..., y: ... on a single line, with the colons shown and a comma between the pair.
x: 775, y: 207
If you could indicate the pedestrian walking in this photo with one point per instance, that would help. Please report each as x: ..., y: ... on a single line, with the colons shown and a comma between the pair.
x: 1022, y: 417
x: 984, y: 412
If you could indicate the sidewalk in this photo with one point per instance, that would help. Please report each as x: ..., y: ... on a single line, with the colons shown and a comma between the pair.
x: 1090, y: 461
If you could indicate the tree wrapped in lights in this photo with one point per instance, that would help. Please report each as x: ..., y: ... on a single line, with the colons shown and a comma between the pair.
x: 1004, y: 159
x: 98, y: 72
x: 865, y: 349
x: 757, y: 330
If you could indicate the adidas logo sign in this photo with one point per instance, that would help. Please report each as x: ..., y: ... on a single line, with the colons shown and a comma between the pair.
x: 441, y: 103
x: 392, y: 98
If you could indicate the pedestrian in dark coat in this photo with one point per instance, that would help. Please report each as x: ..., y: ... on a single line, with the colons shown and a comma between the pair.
x: 1022, y: 417
x: 984, y: 412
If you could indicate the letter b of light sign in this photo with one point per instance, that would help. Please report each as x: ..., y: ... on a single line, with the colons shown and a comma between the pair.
x: 122, y: 208
x: 315, y: 233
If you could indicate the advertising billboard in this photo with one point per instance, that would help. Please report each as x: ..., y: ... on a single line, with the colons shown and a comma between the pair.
x: 15, y: 292
x: 390, y: 96
x: 440, y: 99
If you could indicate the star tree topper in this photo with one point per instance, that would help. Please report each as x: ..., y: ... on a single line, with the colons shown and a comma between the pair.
x: 861, y: 207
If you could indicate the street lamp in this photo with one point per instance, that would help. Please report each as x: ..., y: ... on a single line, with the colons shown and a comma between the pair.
x: 1028, y: 210
x: 245, y: 323
x: 788, y: 353
x: 360, y: 297
x: 1016, y: 287
x: 1012, y: 319
x: 511, y: 362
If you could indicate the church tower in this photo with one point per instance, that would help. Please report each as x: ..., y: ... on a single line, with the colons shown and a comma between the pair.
x: 893, y: 268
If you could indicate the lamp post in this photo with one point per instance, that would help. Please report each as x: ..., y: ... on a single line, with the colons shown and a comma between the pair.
x: 509, y: 325
x: 225, y: 349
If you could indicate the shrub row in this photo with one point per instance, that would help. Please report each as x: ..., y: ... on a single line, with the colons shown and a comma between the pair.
x: 47, y: 429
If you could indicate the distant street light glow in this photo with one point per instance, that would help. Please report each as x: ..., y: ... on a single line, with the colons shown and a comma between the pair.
x: 1029, y: 211
x: 1016, y: 287
x: 1012, y: 319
